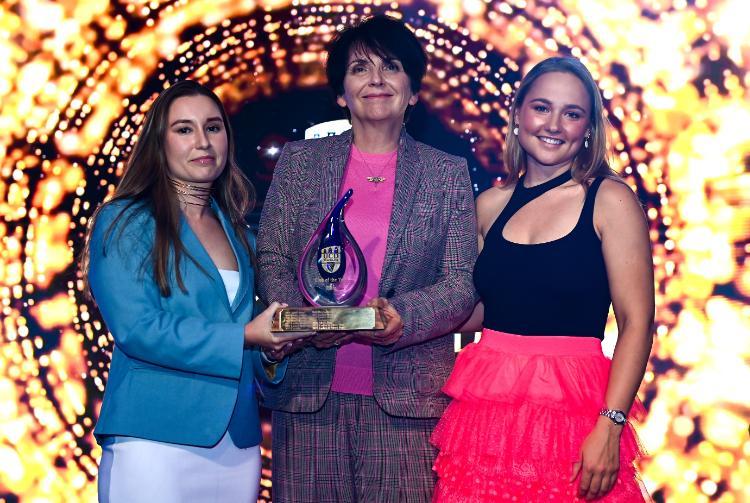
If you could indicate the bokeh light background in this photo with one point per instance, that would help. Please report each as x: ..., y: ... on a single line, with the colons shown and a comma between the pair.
x: 77, y: 76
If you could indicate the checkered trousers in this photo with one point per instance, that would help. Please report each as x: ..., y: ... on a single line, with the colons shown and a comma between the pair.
x: 351, y: 451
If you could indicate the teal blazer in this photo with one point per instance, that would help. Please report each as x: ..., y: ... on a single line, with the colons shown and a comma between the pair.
x: 179, y: 373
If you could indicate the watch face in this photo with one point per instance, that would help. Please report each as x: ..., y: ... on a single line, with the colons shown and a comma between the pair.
x: 619, y: 417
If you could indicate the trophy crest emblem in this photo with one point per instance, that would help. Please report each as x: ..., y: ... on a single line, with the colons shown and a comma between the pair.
x: 330, y: 263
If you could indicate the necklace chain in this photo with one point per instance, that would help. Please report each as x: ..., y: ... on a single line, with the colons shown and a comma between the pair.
x: 376, y: 178
x: 185, y: 191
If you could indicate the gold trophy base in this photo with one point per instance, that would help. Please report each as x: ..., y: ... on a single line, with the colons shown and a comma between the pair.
x: 326, y: 319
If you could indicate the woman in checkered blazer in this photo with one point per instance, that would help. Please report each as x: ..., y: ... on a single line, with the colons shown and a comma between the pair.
x: 353, y: 416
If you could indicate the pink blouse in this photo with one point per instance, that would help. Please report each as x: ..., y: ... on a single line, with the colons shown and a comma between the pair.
x: 367, y: 217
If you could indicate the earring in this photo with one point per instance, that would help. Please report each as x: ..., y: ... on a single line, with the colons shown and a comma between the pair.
x: 586, y: 139
x: 515, y: 130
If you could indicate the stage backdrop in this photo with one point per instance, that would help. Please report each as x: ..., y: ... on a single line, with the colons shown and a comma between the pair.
x: 77, y: 76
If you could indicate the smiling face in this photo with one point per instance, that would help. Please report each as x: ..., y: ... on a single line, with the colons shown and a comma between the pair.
x: 375, y: 89
x: 195, y: 140
x: 553, y: 121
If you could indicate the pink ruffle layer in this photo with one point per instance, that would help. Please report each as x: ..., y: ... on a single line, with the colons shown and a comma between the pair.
x: 522, y: 407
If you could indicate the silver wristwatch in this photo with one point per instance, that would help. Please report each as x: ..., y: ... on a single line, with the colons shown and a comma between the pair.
x: 617, y: 416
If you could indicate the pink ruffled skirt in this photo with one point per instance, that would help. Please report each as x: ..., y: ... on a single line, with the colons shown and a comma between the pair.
x: 522, y: 406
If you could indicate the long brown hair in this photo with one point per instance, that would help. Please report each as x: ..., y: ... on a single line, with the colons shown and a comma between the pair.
x: 589, y: 162
x: 145, y: 183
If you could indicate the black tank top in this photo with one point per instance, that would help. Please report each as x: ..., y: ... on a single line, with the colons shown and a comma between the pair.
x: 555, y: 288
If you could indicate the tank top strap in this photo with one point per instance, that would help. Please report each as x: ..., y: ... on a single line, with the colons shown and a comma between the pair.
x: 587, y: 214
x: 523, y: 195
x: 517, y: 200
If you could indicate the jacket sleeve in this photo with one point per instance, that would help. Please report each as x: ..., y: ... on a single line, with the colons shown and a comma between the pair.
x: 131, y: 304
x: 268, y: 373
x: 437, y: 309
x: 277, y: 278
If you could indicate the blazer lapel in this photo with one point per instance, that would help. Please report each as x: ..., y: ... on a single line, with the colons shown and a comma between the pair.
x: 198, y: 252
x: 408, y: 173
x: 243, y: 260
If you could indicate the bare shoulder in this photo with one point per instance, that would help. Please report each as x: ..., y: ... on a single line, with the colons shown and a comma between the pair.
x: 616, y: 196
x: 496, y: 196
x: 490, y: 204
x: 617, y: 206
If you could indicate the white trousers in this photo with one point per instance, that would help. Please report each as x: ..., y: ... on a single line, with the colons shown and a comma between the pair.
x: 133, y: 470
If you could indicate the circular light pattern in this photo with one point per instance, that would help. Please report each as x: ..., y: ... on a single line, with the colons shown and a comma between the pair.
x: 674, y: 75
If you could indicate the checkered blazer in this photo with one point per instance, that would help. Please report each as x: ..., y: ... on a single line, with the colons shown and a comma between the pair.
x: 427, y: 274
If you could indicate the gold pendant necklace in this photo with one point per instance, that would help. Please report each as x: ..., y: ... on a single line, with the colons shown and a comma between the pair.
x: 373, y: 178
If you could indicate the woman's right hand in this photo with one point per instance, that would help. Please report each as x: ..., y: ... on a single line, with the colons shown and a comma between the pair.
x: 258, y: 331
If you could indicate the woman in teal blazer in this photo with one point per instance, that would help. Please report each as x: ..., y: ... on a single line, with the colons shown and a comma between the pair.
x: 170, y: 263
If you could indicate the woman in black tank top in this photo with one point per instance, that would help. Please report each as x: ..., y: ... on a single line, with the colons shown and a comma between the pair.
x: 538, y: 412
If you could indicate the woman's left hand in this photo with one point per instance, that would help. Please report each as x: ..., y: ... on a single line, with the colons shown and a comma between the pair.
x: 394, y: 326
x: 599, y: 461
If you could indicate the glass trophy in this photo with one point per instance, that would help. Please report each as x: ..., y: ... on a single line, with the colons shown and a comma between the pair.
x: 332, y: 276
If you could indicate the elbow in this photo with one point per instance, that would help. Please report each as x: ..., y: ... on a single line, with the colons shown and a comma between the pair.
x: 637, y: 328
x: 128, y: 336
x: 128, y: 345
x: 468, y: 302
x: 469, y: 294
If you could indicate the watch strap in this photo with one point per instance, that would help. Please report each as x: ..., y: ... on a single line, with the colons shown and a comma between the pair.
x: 616, y: 416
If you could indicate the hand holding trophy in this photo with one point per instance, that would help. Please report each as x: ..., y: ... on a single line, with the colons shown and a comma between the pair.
x: 332, y: 276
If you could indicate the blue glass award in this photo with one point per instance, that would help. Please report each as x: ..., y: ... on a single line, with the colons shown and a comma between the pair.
x: 332, y: 276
